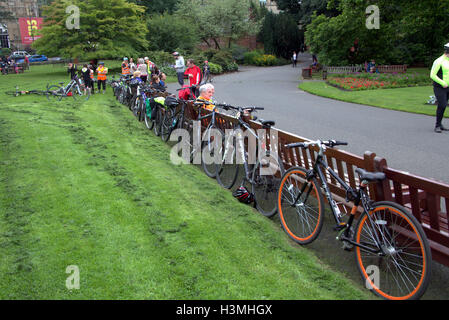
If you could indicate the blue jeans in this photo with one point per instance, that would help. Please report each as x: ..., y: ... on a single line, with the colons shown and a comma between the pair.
x: 180, y: 78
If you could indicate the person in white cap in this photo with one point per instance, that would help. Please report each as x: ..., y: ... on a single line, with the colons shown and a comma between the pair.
x: 179, y: 67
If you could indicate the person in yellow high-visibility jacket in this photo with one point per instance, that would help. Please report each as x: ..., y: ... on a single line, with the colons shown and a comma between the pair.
x: 102, y: 76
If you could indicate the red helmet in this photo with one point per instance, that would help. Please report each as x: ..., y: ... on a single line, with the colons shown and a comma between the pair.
x: 243, y: 195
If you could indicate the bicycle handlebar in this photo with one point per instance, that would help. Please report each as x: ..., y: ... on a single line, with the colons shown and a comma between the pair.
x: 328, y: 143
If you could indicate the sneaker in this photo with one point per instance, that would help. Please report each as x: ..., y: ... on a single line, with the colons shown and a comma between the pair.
x: 437, y: 130
x: 444, y: 128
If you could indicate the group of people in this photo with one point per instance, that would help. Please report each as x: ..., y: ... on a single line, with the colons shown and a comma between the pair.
x: 145, y: 71
x: 88, y: 76
x: 7, y: 62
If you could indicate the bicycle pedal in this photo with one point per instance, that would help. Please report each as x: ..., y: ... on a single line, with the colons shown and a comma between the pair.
x: 340, y: 226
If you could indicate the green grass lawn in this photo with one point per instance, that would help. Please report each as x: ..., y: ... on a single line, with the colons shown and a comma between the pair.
x: 412, y: 99
x: 88, y: 185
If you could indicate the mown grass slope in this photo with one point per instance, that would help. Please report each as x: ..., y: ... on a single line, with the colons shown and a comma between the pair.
x: 87, y: 185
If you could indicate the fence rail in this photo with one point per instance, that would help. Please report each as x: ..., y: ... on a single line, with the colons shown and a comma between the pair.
x: 426, y: 199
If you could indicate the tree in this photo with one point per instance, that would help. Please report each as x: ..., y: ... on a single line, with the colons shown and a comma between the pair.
x: 157, y: 6
x: 169, y: 32
x: 280, y: 34
x: 290, y: 6
x: 216, y: 19
x: 107, y: 29
x: 411, y: 31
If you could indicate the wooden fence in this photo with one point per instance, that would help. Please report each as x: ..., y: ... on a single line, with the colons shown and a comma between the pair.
x: 428, y: 200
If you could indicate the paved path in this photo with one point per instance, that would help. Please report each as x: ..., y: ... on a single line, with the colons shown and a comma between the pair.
x: 406, y: 140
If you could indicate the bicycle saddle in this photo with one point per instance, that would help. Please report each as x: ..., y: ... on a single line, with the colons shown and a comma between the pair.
x: 370, y: 176
x: 267, y: 123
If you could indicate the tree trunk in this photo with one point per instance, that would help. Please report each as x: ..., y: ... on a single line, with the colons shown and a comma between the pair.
x: 217, y: 46
x: 207, y: 42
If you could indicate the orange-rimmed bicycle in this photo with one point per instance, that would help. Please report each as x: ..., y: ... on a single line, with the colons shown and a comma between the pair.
x: 391, y: 249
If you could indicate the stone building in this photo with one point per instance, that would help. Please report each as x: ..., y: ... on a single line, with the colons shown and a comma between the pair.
x: 9, y: 26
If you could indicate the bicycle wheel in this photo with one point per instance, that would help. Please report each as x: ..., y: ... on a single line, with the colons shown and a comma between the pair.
x: 228, y: 169
x: 149, y: 123
x: 12, y: 93
x: 266, y: 178
x: 167, y: 124
x: 55, y: 93
x: 158, y: 121
x: 400, y: 269
x: 300, y: 206
x: 211, y: 150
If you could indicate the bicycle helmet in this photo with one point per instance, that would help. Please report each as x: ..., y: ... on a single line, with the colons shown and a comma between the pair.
x: 243, y: 195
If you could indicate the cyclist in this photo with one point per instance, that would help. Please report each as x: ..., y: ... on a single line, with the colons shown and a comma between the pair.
x: 193, y: 72
x: 206, y: 92
x: 440, y: 76
x: 179, y: 67
x: 101, y: 77
x: 156, y: 83
x: 126, y: 70
x: 85, y: 71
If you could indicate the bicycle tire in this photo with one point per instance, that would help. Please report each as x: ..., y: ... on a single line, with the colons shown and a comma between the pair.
x: 12, y: 93
x: 158, y: 121
x: 54, y: 93
x: 210, y: 150
x: 228, y: 169
x: 266, y: 178
x: 167, y: 124
x: 149, y: 123
x: 404, y: 271
x: 303, y: 220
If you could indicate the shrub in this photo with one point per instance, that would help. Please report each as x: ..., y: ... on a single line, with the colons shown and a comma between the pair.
x: 223, y: 58
x: 215, y: 68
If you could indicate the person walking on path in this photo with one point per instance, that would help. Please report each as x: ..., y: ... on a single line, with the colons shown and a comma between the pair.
x: 440, y: 76
x: 101, y: 77
x: 294, y: 59
x: 179, y: 67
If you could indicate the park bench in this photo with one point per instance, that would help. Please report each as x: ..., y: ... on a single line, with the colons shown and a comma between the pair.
x: 402, y: 68
x: 12, y: 69
x: 340, y: 70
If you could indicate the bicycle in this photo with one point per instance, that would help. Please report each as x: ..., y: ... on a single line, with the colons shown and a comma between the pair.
x: 25, y: 92
x: 202, y: 147
x: 74, y: 88
x: 264, y: 176
x: 386, y: 238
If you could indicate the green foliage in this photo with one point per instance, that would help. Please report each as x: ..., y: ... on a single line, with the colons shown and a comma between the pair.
x: 280, y: 34
x: 223, y: 58
x: 5, y: 51
x: 410, y: 32
x: 167, y: 32
x: 238, y: 53
x: 218, y: 19
x: 257, y: 58
x: 108, y: 29
x: 215, y: 68
x: 157, y: 6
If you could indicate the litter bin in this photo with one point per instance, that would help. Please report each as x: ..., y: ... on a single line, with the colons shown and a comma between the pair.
x: 307, y: 73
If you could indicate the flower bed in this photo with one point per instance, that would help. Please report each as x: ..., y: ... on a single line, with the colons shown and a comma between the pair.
x: 369, y: 81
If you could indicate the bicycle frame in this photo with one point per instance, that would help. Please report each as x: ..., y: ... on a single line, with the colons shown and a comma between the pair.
x: 361, y: 197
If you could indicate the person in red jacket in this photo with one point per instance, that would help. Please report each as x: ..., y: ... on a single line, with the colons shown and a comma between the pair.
x: 193, y: 72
